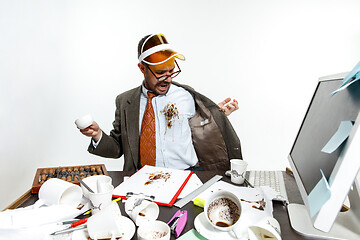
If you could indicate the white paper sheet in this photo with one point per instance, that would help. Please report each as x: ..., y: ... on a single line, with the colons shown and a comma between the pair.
x: 36, y: 223
x: 193, y: 183
x: 163, y: 183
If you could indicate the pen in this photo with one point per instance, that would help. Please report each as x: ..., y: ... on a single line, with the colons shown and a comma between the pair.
x: 77, y: 223
x: 84, y: 184
x: 69, y: 230
x: 68, y: 222
x: 248, y: 183
x: 74, y: 226
x: 117, y: 199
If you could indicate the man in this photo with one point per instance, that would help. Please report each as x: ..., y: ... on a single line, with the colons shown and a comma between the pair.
x: 164, y: 123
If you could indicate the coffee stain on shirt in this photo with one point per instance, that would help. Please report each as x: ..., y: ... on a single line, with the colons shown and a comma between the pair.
x: 170, y: 112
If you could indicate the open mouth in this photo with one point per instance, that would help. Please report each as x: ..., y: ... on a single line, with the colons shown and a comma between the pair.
x: 163, y: 86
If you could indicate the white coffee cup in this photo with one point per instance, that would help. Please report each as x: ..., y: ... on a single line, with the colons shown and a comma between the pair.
x: 109, y: 223
x: 56, y: 191
x: 100, y: 200
x: 84, y: 121
x: 238, y: 170
x: 217, y: 204
x: 267, y: 228
x: 96, y: 183
x: 154, y: 230
x: 141, y: 210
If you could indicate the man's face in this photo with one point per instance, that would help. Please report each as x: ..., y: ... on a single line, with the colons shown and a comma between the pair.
x: 151, y: 83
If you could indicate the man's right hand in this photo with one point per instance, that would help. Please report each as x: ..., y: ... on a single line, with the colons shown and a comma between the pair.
x: 93, y: 131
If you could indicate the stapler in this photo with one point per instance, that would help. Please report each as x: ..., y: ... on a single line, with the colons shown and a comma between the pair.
x: 178, y: 222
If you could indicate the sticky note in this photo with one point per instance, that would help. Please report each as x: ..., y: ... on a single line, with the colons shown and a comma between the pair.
x: 339, y: 137
x: 353, y: 76
x: 192, y: 235
x: 319, y: 195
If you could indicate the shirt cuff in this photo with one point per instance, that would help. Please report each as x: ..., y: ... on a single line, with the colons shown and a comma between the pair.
x: 96, y: 143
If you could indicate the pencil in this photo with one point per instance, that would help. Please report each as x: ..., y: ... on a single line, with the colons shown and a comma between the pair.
x: 248, y: 183
x: 68, y: 222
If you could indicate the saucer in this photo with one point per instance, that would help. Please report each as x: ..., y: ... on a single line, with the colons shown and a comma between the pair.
x: 208, y: 231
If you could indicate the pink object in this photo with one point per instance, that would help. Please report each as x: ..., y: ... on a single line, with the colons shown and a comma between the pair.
x: 178, y: 222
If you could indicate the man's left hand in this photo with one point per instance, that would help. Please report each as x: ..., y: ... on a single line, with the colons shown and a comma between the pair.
x: 228, y: 106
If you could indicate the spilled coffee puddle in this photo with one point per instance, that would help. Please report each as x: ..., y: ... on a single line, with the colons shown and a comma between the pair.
x: 266, y: 236
x: 262, y: 204
x: 170, y: 112
x: 153, y: 177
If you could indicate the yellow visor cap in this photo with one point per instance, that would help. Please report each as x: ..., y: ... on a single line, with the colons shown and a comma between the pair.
x: 156, y: 50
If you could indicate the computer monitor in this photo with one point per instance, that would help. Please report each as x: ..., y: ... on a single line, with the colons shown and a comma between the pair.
x: 340, y: 167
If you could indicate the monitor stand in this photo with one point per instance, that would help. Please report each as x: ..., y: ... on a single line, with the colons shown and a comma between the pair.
x: 346, y: 225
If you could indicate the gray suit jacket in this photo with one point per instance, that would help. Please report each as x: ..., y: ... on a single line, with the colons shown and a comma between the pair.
x: 214, y: 138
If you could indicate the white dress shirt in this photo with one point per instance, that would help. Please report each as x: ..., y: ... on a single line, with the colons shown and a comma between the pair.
x: 174, y: 146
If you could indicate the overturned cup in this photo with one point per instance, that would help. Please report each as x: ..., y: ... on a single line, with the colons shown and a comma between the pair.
x: 56, y: 191
x: 267, y: 228
x: 154, y: 230
x: 109, y: 223
x: 141, y: 210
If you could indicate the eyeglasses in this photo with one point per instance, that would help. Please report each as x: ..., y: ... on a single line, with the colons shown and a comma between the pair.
x: 164, y: 77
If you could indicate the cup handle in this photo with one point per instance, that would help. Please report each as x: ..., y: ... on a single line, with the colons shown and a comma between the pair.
x: 113, y: 236
x: 38, y: 203
x: 239, y: 235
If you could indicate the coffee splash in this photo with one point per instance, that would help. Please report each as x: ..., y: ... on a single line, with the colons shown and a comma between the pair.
x: 262, y: 204
x: 156, y: 176
x: 170, y: 112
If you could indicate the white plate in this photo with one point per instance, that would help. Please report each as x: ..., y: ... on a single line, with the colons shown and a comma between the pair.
x: 208, y: 231
x: 128, y: 226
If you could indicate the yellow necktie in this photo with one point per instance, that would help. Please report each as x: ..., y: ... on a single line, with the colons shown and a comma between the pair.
x: 148, y: 135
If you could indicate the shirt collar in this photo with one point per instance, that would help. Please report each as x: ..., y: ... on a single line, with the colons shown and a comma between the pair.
x: 144, y: 90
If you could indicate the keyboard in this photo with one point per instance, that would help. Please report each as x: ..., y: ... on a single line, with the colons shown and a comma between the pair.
x: 273, y: 179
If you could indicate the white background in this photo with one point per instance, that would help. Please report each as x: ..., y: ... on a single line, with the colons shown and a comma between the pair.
x: 62, y: 59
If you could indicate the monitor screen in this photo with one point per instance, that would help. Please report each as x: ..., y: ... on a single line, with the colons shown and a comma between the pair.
x: 322, y: 120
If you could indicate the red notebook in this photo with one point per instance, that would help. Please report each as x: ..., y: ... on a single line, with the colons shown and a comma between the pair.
x: 164, y: 184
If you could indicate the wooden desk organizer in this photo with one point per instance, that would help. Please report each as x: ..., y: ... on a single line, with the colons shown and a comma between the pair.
x: 67, y: 173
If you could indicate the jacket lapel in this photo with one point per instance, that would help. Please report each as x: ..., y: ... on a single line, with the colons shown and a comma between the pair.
x: 132, y: 124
